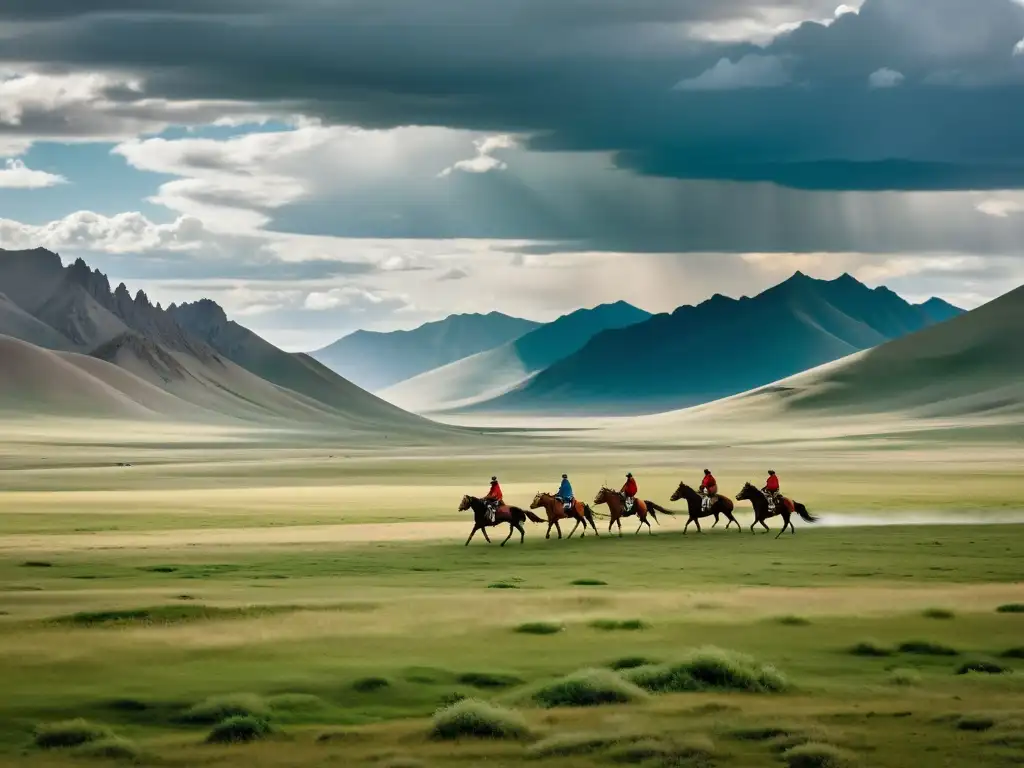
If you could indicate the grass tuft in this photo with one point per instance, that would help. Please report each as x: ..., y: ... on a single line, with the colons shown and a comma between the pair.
x: 1013, y: 653
x: 927, y: 648
x: 69, y: 733
x: 539, y: 628
x: 870, y: 648
x: 904, y: 677
x: 938, y: 613
x: 218, y: 708
x: 977, y: 723
x: 588, y: 688
x: 112, y: 748
x: 613, y: 625
x: 980, y: 666
x: 471, y: 718
x: 568, y: 744
x: 371, y: 684
x: 240, y: 729
x: 696, y: 749
x: 488, y: 680
x: 816, y: 755
x: 588, y: 583
x: 709, y: 669
x: 793, y: 621
x: 1011, y: 608
x: 36, y: 564
x: 502, y: 585
x: 631, y: 662
x: 296, y: 703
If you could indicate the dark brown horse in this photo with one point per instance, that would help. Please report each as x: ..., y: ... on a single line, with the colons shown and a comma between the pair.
x: 762, y: 510
x: 514, y: 516
x: 617, y: 509
x: 579, y: 512
x: 695, y: 503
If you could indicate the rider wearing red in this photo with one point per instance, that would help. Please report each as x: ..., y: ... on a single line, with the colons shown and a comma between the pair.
x: 493, y: 497
x: 629, y: 490
x: 771, y: 488
x: 709, y: 487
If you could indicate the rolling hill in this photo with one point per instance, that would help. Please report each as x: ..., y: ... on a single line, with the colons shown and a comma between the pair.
x: 375, y: 360
x: 721, y: 347
x: 487, y: 375
x: 71, y: 346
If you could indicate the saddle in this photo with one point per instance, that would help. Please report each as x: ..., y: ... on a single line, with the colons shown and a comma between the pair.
x: 628, y: 501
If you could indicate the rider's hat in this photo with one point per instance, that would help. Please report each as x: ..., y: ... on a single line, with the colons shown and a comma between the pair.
x: 494, y: 479
x: 629, y: 474
x: 707, y: 471
x: 771, y: 471
x: 565, y: 476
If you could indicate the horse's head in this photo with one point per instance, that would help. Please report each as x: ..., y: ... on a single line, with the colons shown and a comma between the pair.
x: 747, y: 492
x: 603, y: 495
x: 682, y: 492
x: 467, y: 502
x: 538, y: 500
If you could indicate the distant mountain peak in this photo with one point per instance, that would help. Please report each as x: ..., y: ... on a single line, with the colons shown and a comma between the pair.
x: 202, y: 315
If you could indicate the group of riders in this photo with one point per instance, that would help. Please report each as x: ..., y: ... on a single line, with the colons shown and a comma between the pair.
x: 708, y: 490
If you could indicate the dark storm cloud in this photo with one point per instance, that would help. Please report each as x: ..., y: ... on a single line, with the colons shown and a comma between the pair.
x: 622, y: 76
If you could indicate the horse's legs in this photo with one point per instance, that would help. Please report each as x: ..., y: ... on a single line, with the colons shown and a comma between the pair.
x: 522, y: 532
x: 618, y: 522
x: 765, y: 525
x: 511, y: 530
x: 472, y: 534
x: 484, y: 532
x: 548, y: 534
x: 558, y: 528
x: 696, y: 522
x: 732, y: 519
x: 650, y: 531
x: 716, y: 521
x: 786, y: 523
x: 640, y: 527
x: 574, y: 530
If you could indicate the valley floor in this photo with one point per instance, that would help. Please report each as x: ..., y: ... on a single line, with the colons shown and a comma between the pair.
x: 327, y: 591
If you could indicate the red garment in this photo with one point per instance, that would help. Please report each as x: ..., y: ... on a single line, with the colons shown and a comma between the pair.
x: 772, y: 484
x: 494, y: 493
x: 630, y: 488
x: 708, y: 481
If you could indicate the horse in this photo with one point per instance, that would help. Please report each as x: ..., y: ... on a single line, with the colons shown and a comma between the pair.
x: 617, y: 509
x: 581, y: 513
x: 786, y: 508
x: 723, y: 506
x: 514, y: 516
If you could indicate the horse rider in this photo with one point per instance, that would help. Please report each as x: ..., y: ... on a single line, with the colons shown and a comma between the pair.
x: 493, y: 498
x: 564, y: 494
x: 629, y: 491
x: 708, y: 489
x: 771, y: 489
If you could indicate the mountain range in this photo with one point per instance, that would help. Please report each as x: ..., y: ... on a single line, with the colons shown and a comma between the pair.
x: 71, y: 345
x: 486, y: 375
x: 721, y: 347
x: 376, y: 360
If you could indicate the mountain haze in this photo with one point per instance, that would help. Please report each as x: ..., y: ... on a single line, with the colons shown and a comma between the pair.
x: 721, y: 347
x: 489, y: 374
x: 376, y: 360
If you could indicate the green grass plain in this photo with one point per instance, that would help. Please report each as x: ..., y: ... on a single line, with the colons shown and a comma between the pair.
x: 334, y: 598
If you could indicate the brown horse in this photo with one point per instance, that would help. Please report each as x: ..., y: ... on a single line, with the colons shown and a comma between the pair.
x: 723, y: 506
x: 581, y: 513
x: 514, y: 516
x: 762, y: 510
x: 617, y: 509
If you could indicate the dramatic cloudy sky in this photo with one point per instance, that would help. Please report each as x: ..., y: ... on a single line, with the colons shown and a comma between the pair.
x: 322, y: 165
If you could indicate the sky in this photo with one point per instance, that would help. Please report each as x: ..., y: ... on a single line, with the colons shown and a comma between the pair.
x: 318, y: 166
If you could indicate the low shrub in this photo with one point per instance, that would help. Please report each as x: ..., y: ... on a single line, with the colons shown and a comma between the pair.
x: 218, y: 708
x: 471, y: 718
x: 371, y: 684
x: 927, y: 648
x: 612, y: 625
x: 567, y: 744
x: 631, y: 662
x: 938, y: 613
x: 69, y: 733
x: 793, y: 621
x: 815, y: 755
x: 539, y: 628
x: 709, y: 669
x: 696, y: 750
x: 588, y: 688
x: 240, y: 729
x: 870, y: 648
x: 488, y: 680
x: 113, y: 748
x: 975, y: 723
x: 983, y: 667
x: 588, y: 583
x: 1013, y: 653
x: 1011, y: 608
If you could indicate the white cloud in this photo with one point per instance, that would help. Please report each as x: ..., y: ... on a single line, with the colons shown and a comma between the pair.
x: 752, y: 71
x: 15, y: 175
x: 351, y: 297
x: 885, y: 78
x: 844, y: 9
x: 123, y: 233
x: 1018, y: 49
x: 1000, y: 207
x: 484, y: 160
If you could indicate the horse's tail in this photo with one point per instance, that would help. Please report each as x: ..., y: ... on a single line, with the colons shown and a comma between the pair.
x: 528, y: 514
x: 801, y: 510
x: 652, y: 507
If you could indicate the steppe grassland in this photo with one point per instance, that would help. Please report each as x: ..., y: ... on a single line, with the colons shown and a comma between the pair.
x: 349, y: 644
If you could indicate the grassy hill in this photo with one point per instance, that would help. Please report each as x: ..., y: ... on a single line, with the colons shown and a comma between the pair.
x: 376, y: 360
x: 486, y: 375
